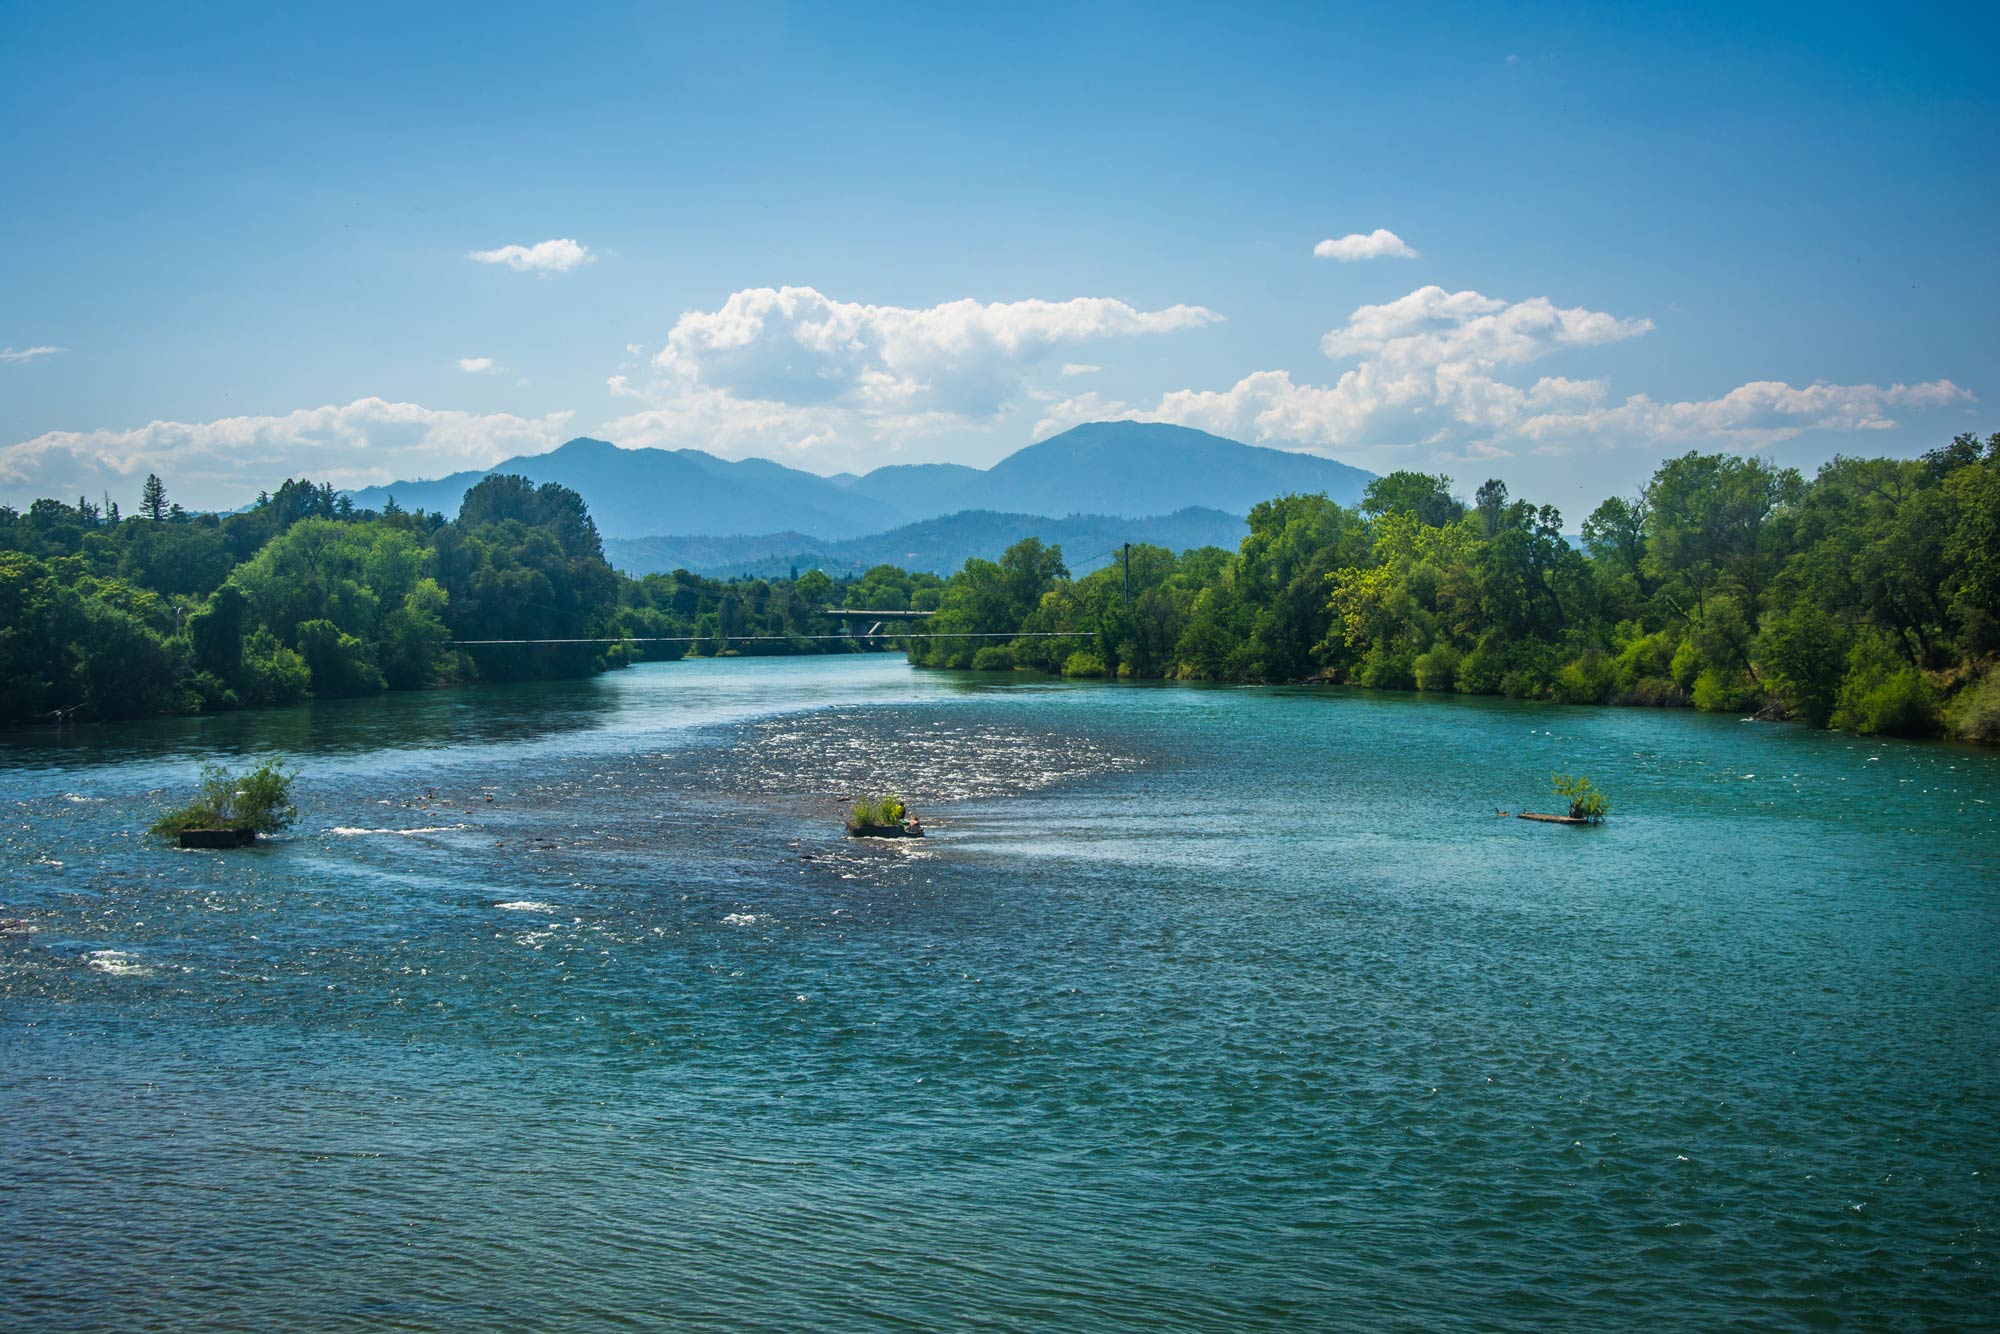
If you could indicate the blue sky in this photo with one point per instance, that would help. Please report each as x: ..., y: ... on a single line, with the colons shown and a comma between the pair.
x: 846, y: 236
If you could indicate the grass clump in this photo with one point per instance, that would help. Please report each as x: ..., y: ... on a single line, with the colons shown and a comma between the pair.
x: 259, y: 800
x: 1585, y: 801
x: 877, y: 811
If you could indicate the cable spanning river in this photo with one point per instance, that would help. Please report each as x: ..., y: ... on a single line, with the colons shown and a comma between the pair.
x: 565, y: 1007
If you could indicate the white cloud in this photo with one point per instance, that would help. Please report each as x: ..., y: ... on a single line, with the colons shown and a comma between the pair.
x: 557, y: 256
x: 1378, y: 244
x: 476, y: 365
x: 1425, y: 375
x: 226, y: 462
x: 15, y: 354
x: 963, y: 358
x: 793, y: 373
x: 1080, y: 368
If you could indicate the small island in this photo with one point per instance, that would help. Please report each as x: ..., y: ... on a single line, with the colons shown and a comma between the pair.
x: 1586, y: 804
x: 230, y: 811
x: 883, y: 817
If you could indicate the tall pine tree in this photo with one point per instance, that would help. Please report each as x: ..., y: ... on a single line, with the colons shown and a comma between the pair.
x: 153, y: 499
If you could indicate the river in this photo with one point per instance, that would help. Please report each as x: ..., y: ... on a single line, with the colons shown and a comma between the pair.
x: 566, y: 1007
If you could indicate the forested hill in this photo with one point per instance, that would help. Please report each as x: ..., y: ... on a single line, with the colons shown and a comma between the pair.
x: 1127, y: 470
x: 937, y: 546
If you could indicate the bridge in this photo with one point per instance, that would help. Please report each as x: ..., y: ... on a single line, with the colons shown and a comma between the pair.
x: 850, y: 616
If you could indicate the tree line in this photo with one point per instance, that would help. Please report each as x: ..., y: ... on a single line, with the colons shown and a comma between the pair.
x: 301, y: 595
x: 1866, y: 597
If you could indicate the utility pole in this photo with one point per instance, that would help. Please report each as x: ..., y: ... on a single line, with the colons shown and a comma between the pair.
x: 1128, y: 574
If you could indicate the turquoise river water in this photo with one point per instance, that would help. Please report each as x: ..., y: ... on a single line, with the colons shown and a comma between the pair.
x: 566, y: 1007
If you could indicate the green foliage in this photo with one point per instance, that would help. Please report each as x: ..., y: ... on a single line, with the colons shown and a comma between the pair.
x: 1863, y: 598
x: 340, y: 663
x: 1436, y: 668
x: 877, y: 811
x: 259, y: 800
x: 1882, y: 693
x: 1975, y: 714
x: 1084, y: 663
x: 1585, y: 801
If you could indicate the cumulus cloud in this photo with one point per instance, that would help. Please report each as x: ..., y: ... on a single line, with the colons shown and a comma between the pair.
x: 476, y: 365
x: 226, y: 462
x: 792, y: 372
x: 558, y: 256
x: 1426, y: 371
x: 1378, y: 244
x: 17, y: 354
x: 964, y: 358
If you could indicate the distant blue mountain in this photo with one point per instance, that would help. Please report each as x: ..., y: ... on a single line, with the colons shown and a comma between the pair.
x: 640, y: 492
x: 939, y: 545
x: 1127, y: 470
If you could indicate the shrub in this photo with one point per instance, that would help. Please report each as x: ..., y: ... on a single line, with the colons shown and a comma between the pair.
x: 259, y: 800
x: 1718, y: 692
x: 1437, y: 668
x: 1586, y: 680
x: 340, y: 662
x: 1643, y: 656
x: 1481, y: 671
x: 877, y: 811
x: 993, y: 658
x: 272, y: 673
x: 1387, y: 668
x: 1585, y: 801
x: 1657, y: 692
x: 1975, y: 714
x: 1882, y: 693
x: 1084, y: 663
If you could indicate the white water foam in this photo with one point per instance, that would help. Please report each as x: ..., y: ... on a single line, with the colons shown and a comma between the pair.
x: 741, y: 919
x: 525, y: 905
x: 348, y: 831
x: 116, y: 962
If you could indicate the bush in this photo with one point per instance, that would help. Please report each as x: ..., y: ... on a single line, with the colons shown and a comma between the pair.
x: 272, y: 673
x: 1084, y: 663
x: 1586, y: 680
x: 1882, y: 693
x: 1975, y: 714
x: 1481, y: 671
x: 1437, y: 668
x: 993, y: 658
x: 1585, y: 801
x: 1387, y: 668
x: 1717, y: 692
x: 1643, y: 657
x: 1658, y: 692
x: 340, y: 662
x: 877, y: 811
x: 259, y: 800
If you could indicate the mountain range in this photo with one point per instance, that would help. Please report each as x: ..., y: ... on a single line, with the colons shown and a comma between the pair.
x: 1105, y: 470
x: 939, y: 545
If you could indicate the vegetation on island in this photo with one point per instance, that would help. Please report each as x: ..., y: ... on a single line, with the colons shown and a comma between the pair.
x: 877, y: 813
x: 259, y: 800
x: 1864, y: 598
x: 1585, y: 801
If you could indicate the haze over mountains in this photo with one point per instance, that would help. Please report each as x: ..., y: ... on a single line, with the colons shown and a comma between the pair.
x: 1135, y: 471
